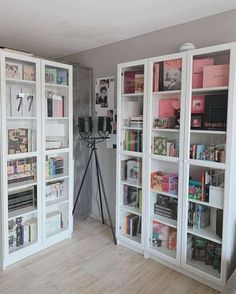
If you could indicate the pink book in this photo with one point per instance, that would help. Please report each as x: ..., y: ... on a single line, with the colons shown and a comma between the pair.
x: 156, y: 77
x: 198, y: 104
x: 166, y: 108
x: 198, y: 64
x: 216, y: 76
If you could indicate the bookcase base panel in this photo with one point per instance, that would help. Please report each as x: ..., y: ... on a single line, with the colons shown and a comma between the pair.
x: 121, y: 240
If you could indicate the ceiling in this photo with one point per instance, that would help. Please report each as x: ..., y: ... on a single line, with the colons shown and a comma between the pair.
x: 55, y: 28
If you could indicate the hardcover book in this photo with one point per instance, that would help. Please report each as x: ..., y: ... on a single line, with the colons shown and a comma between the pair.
x: 139, y: 83
x: 160, y: 146
x: 172, y: 74
x: 156, y: 77
x: 198, y: 104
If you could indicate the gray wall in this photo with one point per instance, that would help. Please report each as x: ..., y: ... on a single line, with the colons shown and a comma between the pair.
x: 208, y: 31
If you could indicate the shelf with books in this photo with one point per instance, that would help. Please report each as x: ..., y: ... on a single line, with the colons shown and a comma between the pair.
x: 50, y: 85
x: 205, y: 203
x: 132, y: 95
x: 131, y: 153
x: 21, y: 118
x: 164, y: 220
x: 208, y: 132
x: 200, y: 267
x: 55, y: 151
x: 57, y: 118
x: 207, y: 233
x: 132, y: 128
x: 20, y: 185
x: 132, y: 184
x: 21, y: 155
x: 20, y: 82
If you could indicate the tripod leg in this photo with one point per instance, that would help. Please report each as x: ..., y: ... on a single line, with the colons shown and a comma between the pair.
x: 99, y: 189
x: 81, y: 185
x: 105, y: 198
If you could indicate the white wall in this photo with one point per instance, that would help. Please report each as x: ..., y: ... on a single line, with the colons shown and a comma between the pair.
x: 208, y: 31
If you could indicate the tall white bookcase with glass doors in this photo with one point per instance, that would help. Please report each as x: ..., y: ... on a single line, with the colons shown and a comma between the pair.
x: 36, y: 155
x: 188, y: 161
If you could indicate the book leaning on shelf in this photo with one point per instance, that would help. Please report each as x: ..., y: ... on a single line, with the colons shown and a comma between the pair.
x: 54, y: 166
x: 21, y: 140
x: 132, y: 225
x: 132, y: 196
x: 163, y: 236
x: 131, y: 171
x: 54, y: 105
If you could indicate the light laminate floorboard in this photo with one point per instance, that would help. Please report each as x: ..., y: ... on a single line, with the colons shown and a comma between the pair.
x: 90, y: 263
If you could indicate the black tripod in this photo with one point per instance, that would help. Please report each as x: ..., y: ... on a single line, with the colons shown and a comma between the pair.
x: 92, y: 142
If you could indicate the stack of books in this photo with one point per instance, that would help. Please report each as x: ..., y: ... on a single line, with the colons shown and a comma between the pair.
x: 21, y: 140
x: 133, y: 82
x: 133, y: 140
x: 55, y: 104
x: 54, y: 190
x: 164, y: 182
x: 166, y: 206
x: 163, y: 236
x: 131, y: 170
x: 22, y: 199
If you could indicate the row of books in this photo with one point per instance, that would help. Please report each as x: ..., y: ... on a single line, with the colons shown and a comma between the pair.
x: 133, y: 140
x: 20, y: 71
x: 163, y: 236
x: 21, y: 232
x: 54, y: 190
x: 133, y: 196
x: 22, y: 199
x: 166, y: 207
x: 165, y: 146
x: 21, y: 140
x: 132, y: 225
x: 201, y: 216
x: 21, y: 170
x: 211, y: 152
x: 54, y: 105
x: 133, y: 82
x: 164, y: 182
x: 56, y: 76
x: 54, y: 166
x: 205, y: 251
x: 131, y: 171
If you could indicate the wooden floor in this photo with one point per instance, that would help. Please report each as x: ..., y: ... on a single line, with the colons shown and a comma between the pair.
x: 91, y: 263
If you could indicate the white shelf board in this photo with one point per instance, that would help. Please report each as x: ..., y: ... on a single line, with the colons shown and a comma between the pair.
x: 131, y: 209
x: 164, y: 251
x: 165, y: 130
x: 207, y: 90
x: 132, y: 95
x: 20, y: 82
x: 202, y: 267
x: 21, y: 155
x: 56, y: 86
x: 164, y: 193
x: 56, y: 151
x: 172, y: 92
x: 57, y: 118
x: 206, y: 233
x: 165, y: 220
x: 58, y: 178
x: 136, y: 238
x: 21, y: 117
x: 56, y: 203
x: 164, y: 158
x: 22, y: 212
x: 207, y: 163
x: 132, y: 128
x: 131, y: 184
x: 131, y: 153
x: 208, y: 132
x: 20, y: 185
x: 204, y: 203
x: 57, y: 233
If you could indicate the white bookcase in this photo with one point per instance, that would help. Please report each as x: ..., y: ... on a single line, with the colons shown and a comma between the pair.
x: 24, y: 207
x: 199, y: 148
x: 131, y: 156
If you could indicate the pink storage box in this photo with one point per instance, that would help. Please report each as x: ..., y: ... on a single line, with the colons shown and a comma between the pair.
x: 198, y: 64
x: 215, y: 76
x: 197, y: 81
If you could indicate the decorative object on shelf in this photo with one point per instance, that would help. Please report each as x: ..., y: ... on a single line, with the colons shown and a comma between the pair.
x: 29, y: 72
x: 50, y: 75
x: 186, y: 47
x: 13, y: 70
